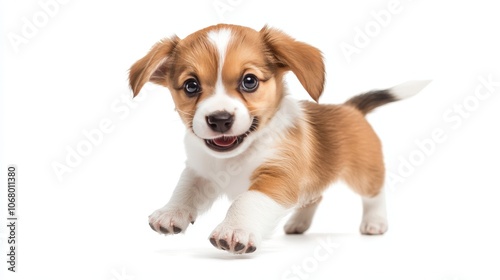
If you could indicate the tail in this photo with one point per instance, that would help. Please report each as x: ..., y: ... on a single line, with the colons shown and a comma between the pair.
x: 366, y: 102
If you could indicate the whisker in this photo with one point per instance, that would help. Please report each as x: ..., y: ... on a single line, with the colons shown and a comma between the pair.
x: 263, y: 109
x: 185, y: 113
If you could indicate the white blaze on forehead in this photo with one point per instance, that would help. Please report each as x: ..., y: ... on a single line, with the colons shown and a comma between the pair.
x: 220, y: 38
x: 220, y: 100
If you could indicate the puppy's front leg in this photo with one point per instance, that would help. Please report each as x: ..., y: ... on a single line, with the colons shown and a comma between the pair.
x: 192, y: 196
x: 251, y: 217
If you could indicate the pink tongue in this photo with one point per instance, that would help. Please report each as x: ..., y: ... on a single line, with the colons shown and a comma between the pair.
x: 225, y: 141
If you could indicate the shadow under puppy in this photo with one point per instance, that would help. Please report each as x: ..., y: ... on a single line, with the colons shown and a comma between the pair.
x: 247, y: 139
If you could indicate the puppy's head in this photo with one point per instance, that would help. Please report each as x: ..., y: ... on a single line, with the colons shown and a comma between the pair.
x: 227, y: 81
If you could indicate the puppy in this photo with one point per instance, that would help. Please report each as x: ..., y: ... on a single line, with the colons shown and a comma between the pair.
x: 247, y: 139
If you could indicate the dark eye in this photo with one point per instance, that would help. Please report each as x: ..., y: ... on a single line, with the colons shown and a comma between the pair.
x: 191, y: 87
x: 249, y: 83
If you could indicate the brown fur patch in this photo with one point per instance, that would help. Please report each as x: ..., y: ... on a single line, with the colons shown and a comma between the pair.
x: 333, y: 142
x: 194, y: 57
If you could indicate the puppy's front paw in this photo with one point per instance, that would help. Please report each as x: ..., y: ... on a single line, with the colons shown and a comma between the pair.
x: 171, y: 220
x: 234, y: 239
x: 373, y: 225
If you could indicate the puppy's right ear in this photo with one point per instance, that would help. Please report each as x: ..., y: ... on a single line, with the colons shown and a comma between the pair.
x: 152, y: 67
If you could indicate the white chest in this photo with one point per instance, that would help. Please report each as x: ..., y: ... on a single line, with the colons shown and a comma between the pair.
x: 231, y: 176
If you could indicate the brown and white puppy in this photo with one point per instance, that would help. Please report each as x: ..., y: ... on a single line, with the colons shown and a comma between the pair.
x: 247, y: 139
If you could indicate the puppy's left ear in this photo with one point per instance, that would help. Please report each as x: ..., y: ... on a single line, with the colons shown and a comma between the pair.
x: 152, y: 67
x: 305, y: 61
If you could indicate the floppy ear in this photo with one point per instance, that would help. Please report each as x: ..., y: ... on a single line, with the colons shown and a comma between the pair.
x: 153, y: 66
x: 305, y: 61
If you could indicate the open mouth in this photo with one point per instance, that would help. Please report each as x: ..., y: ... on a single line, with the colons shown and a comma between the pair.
x: 227, y: 143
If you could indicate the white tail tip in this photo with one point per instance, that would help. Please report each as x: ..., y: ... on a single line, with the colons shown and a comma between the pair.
x: 409, y: 89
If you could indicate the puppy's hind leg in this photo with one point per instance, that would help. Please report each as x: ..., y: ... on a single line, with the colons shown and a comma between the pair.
x: 301, y: 219
x: 374, y: 215
x: 370, y: 186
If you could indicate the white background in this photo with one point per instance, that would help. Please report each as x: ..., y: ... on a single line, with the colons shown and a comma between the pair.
x: 71, y: 74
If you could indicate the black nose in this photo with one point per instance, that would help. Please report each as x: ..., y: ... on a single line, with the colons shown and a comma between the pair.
x: 220, y: 121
